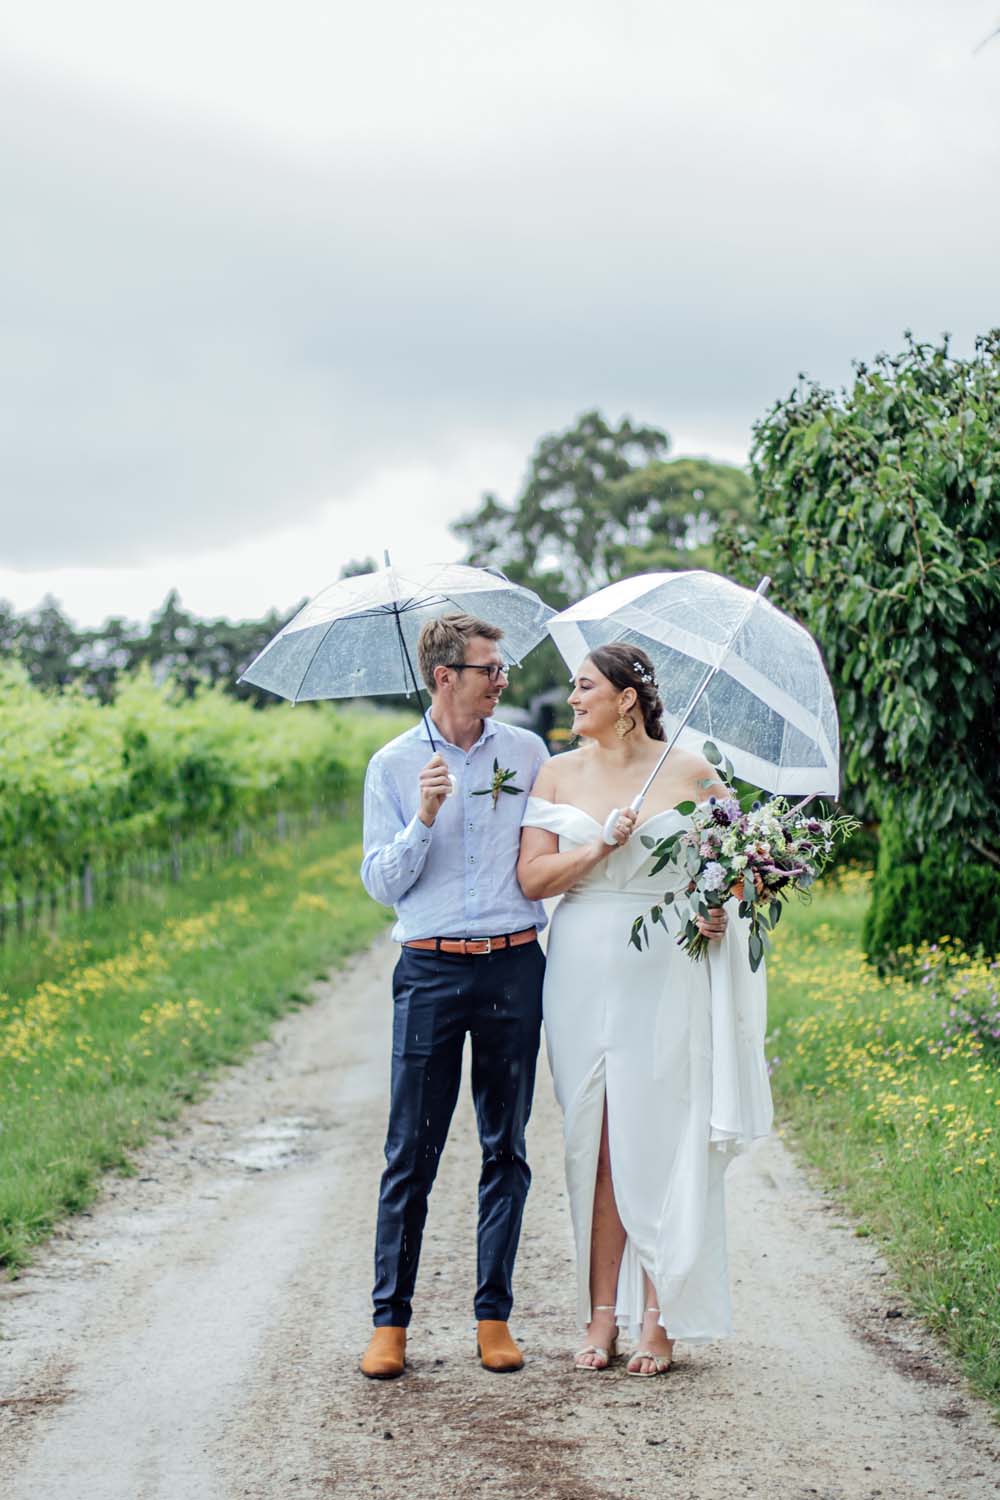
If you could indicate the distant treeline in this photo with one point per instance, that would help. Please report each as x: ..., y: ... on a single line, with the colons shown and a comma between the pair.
x: 174, y: 645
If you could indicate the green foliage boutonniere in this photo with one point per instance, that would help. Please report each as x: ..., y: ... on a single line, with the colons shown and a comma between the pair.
x: 501, y: 783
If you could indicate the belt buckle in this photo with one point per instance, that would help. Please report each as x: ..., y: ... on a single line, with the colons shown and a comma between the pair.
x: 489, y: 945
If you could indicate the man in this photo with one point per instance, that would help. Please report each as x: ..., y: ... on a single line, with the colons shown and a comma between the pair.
x: 441, y: 844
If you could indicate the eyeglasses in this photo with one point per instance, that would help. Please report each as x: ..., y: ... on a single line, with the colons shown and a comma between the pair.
x: 492, y: 671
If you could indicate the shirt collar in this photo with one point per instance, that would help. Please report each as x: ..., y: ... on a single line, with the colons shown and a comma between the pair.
x: 489, y: 730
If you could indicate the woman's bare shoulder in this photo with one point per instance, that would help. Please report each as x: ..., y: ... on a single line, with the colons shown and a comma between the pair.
x: 695, y: 770
x: 559, y: 774
x: 545, y: 782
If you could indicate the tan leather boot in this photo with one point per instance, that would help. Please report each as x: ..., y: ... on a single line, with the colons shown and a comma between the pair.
x: 496, y: 1349
x: 385, y: 1357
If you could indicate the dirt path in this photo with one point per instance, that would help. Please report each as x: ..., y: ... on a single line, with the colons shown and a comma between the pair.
x: 196, y: 1336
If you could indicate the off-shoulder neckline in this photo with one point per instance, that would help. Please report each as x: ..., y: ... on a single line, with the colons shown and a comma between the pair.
x: 664, y: 813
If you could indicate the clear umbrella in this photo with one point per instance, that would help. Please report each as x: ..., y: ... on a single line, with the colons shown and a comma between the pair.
x: 730, y: 668
x: 358, y: 638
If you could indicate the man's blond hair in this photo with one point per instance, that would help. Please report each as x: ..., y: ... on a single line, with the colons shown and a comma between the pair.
x: 442, y: 643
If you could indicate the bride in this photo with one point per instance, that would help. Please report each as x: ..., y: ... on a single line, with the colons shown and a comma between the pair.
x: 657, y: 1061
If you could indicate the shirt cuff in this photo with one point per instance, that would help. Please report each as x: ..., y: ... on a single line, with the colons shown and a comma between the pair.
x: 415, y: 833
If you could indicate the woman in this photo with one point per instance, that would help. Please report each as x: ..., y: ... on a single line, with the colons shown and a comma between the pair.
x: 657, y: 1060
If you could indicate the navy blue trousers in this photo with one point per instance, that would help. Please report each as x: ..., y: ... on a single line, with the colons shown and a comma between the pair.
x: 438, y: 997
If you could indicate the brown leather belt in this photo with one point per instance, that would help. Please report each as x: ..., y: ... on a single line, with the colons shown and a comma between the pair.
x: 475, y: 945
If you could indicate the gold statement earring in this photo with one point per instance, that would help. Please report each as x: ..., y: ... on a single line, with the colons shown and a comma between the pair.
x: 623, y: 725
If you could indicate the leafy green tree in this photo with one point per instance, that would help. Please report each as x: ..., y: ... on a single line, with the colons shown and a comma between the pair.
x: 566, y: 523
x: 47, y: 644
x: 878, y: 517
x: 674, y: 511
x: 106, y: 653
x: 357, y: 566
x: 601, y: 502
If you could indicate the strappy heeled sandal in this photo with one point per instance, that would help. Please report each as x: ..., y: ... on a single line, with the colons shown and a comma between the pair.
x: 660, y: 1364
x: 607, y: 1355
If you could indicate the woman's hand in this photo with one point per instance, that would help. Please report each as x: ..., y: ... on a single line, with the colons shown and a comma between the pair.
x: 714, y: 925
x: 624, y: 825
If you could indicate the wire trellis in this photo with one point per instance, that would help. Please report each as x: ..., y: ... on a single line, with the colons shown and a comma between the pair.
x: 99, y: 885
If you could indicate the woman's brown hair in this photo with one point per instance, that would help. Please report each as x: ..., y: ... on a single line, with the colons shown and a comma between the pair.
x: 630, y: 667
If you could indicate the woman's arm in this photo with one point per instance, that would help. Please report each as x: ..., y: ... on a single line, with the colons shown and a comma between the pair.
x: 704, y: 781
x: 541, y: 869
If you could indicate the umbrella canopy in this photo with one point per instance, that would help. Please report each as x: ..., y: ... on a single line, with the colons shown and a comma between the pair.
x: 358, y: 638
x: 769, y: 705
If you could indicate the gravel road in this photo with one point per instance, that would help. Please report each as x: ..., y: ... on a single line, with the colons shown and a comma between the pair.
x: 195, y: 1336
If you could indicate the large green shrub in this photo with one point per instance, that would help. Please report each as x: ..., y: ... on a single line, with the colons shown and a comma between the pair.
x: 938, y: 892
x: 879, y: 521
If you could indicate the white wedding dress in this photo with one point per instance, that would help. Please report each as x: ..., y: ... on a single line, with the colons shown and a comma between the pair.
x: 677, y: 1049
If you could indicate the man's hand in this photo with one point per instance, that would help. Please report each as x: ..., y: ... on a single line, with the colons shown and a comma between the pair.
x: 714, y: 925
x: 435, y: 786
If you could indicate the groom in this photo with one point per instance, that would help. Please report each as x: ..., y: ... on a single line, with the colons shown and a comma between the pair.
x: 445, y: 858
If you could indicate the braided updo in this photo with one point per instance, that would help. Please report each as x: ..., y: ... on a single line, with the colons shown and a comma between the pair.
x: 630, y: 667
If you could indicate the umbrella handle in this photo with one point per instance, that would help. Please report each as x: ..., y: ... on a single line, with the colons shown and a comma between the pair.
x: 607, y: 832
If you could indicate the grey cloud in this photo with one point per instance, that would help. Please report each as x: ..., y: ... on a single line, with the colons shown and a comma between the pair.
x: 204, y: 336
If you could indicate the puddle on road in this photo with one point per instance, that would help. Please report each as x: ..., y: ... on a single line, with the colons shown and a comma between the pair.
x: 271, y: 1145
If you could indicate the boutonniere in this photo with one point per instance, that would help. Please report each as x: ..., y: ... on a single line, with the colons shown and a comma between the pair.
x: 501, y: 783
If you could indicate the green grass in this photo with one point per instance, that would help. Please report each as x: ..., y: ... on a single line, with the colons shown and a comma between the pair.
x: 108, y: 1031
x: 898, y: 1104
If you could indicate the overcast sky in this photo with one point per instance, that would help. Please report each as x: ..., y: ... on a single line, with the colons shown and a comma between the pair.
x: 281, y: 286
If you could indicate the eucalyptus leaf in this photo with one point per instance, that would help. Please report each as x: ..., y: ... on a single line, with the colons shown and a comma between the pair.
x: 712, y: 753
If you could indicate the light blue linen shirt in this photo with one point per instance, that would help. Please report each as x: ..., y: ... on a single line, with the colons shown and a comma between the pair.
x: 457, y: 878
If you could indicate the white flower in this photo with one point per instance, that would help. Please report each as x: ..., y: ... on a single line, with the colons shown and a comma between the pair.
x: 713, y: 877
x: 739, y: 861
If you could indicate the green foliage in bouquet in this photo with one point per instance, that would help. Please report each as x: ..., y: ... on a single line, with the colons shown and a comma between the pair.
x: 879, y: 522
x: 744, y: 845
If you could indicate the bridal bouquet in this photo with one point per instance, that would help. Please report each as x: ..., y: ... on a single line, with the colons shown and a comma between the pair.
x: 755, y: 848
